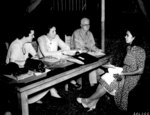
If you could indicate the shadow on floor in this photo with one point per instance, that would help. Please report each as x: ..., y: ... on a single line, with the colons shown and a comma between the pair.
x: 69, y: 106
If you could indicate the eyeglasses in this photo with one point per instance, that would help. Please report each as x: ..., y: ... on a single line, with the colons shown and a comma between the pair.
x: 86, y: 25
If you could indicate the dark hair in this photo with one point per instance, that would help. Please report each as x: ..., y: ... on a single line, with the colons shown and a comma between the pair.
x: 139, y: 37
x: 23, y: 33
x: 118, y: 53
x: 119, y: 48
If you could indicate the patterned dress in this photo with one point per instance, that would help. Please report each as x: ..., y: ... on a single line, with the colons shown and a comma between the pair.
x: 134, y: 59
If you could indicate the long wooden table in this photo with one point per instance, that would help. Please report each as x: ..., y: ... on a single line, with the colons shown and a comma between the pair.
x: 29, y: 87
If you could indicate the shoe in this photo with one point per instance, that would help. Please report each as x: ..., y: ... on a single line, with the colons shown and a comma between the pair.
x: 75, y: 86
x: 91, y: 105
x: 92, y: 108
x: 7, y: 113
x: 79, y: 100
x: 66, y: 87
x: 39, y: 102
x: 54, y: 93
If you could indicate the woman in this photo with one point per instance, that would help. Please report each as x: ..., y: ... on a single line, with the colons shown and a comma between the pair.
x: 20, y: 49
x: 49, y: 44
x: 48, y: 47
x: 133, y: 66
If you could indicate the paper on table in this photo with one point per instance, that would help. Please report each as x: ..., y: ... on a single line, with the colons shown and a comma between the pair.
x: 24, y: 76
x: 69, y: 52
x: 71, y: 59
x: 50, y: 59
x: 98, y: 53
x: 40, y: 73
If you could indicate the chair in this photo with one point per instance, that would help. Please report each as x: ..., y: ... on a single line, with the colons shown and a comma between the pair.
x: 69, y: 41
x: 4, y: 46
x: 35, y: 45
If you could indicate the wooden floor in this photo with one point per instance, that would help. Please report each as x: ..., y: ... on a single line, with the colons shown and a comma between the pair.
x: 138, y: 103
x: 67, y: 105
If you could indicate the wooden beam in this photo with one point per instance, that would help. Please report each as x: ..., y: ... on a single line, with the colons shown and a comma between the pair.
x: 103, y: 25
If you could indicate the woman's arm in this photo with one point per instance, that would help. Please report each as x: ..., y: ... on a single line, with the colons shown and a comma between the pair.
x: 45, y: 52
x: 30, y: 49
x: 137, y: 72
x: 62, y: 44
x: 140, y: 56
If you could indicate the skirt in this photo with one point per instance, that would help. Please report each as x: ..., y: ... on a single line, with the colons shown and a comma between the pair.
x: 109, y: 83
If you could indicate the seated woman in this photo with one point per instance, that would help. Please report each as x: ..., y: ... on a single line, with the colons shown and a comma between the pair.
x: 48, y: 47
x: 20, y: 49
x: 133, y: 62
x: 49, y: 44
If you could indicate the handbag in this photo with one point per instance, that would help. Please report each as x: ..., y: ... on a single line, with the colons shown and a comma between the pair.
x: 35, y: 65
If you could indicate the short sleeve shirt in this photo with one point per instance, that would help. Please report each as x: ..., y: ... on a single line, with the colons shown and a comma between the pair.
x: 19, y: 52
x: 52, y: 45
x: 83, y: 41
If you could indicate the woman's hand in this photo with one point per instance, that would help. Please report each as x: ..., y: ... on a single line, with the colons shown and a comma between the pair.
x: 35, y: 57
x: 121, y: 83
x: 117, y: 77
x: 122, y: 74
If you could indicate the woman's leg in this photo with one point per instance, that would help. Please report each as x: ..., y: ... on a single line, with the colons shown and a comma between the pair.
x: 54, y: 93
x: 128, y: 86
x: 100, y: 91
x: 93, y: 76
x: 93, y: 99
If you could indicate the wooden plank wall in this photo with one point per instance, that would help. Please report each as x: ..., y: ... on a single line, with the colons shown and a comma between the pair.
x: 68, y: 5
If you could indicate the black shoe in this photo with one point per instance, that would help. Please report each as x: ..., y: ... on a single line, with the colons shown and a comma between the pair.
x: 74, y: 86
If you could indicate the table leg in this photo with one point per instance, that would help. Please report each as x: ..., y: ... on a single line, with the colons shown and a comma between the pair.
x: 23, y: 103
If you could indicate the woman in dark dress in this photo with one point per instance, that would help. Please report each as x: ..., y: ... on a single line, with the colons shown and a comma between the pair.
x: 133, y: 63
x: 133, y: 67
